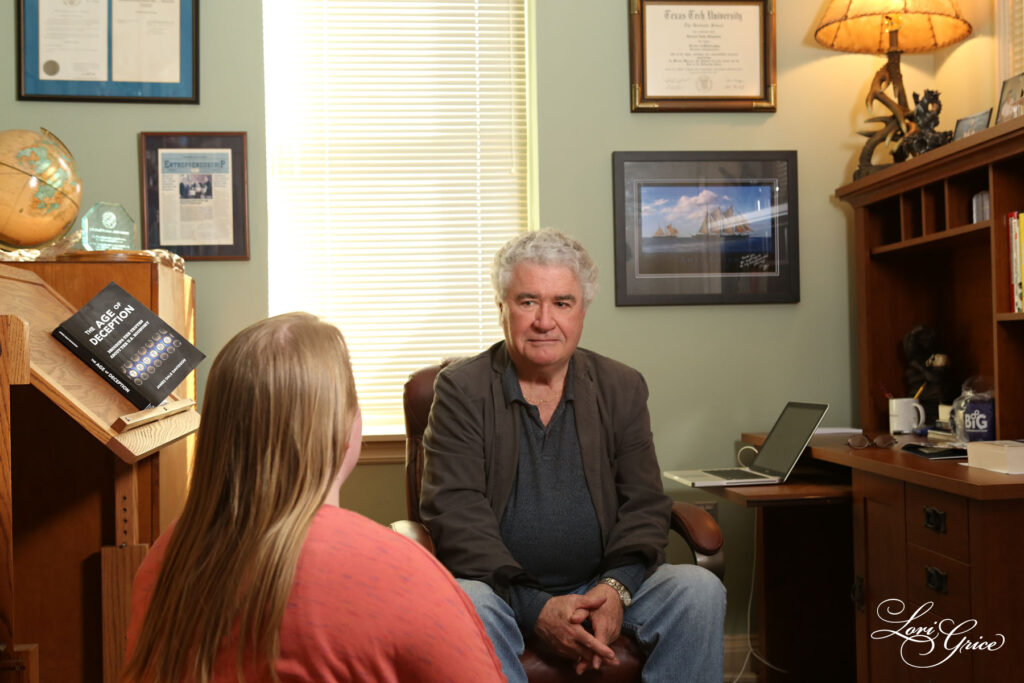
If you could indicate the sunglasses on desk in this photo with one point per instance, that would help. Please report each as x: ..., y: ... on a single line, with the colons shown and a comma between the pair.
x: 859, y: 441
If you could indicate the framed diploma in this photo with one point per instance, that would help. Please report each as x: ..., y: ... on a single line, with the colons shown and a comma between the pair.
x: 195, y: 195
x: 108, y: 50
x: 702, y: 55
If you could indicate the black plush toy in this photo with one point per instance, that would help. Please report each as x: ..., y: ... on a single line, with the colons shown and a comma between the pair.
x: 927, y: 367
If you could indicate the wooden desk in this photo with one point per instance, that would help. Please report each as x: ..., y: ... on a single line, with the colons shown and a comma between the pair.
x: 936, y: 535
x: 801, y: 492
x: 802, y: 576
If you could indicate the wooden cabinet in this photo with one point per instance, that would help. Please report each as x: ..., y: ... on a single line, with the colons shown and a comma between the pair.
x: 956, y: 558
x: 921, y: 260
x: 169, y: 293
x: 80, y: 501
x: 937, y: 534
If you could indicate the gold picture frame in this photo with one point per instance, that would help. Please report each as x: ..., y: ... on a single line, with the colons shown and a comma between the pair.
x: 702, y: 55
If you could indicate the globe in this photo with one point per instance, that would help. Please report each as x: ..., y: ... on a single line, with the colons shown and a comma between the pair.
x: 40, y: 190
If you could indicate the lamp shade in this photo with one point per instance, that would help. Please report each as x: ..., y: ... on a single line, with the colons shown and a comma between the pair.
x: 862, y: 26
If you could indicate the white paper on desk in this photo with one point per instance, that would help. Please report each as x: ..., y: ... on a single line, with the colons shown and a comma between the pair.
x: 837, y: 430
x: 72, y: 40
x: 145, y: 40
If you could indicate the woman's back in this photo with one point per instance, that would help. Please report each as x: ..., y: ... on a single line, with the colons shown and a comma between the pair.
x: 366, y: 605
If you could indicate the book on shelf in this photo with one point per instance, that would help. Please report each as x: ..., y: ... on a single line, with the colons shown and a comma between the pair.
x: 129, y: 346
x: 939, y: 434
x: 1016, y: 285
x: 1000, y: 456
x: 1018, y: 256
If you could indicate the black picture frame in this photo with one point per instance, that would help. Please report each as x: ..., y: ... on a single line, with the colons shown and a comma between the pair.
x: 706, y: 228
x: 969, y: 125
x: 702, y: 55
x: 198, y: 181
x: 110, y: 62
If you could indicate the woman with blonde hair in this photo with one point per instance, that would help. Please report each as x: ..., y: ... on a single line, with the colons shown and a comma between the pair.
x: 259, y: 579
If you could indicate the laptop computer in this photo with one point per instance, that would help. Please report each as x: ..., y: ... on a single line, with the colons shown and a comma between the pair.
x: 774, y: 460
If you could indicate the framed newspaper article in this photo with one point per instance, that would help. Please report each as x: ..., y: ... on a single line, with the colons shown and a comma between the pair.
x: 195, y: 195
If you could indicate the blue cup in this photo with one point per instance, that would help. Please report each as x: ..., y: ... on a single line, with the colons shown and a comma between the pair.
x: 980, y: 420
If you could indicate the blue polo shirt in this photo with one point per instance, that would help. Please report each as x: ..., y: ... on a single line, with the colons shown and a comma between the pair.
x: 550, y: 525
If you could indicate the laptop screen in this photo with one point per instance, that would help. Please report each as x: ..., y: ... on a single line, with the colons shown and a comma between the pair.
x: 784, y: 444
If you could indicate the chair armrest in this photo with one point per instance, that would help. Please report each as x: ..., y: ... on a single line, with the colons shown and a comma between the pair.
x: 415, y: 532
x: 697, y: 527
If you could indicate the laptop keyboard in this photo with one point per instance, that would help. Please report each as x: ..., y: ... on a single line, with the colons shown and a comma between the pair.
x: 737, y: 474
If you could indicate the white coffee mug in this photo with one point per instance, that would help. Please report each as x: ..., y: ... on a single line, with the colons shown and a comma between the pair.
x: 905, y: 415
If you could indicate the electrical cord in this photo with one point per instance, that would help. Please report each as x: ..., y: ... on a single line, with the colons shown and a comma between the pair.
x: 739, y: 454
x: 751, y: 652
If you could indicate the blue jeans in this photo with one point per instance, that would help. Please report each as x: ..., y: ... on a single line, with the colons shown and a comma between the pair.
x: 677, y: 617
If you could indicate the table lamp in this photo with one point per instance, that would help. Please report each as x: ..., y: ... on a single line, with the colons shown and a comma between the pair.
x: 889, y: 27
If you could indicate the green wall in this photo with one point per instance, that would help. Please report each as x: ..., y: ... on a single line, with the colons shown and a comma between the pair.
x: 714, y: 371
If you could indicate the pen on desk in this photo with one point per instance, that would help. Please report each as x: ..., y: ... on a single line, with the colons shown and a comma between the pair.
x: 919, y: 390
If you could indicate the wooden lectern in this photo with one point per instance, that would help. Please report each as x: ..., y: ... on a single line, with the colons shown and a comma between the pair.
x: 81, y: 496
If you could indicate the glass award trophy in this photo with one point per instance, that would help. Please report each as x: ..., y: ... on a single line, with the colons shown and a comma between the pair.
x: 108, y: 226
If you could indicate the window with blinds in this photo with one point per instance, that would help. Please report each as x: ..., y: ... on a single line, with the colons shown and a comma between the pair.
x: 397, y: 162
x: 1010, y: 29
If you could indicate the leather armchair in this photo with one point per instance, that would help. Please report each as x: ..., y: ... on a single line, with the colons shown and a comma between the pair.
x: 698, y: 528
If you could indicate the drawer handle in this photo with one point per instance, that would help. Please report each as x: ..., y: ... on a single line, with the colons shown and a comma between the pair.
x: 935, y: 519
x: 936, y: 579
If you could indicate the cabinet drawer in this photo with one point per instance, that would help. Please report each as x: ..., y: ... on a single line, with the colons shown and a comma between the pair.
x: 956, y: 669
x: 932, y: 577
x: 938, y: 521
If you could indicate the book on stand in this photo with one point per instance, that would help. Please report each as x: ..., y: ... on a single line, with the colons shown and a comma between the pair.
x: 129, y: 346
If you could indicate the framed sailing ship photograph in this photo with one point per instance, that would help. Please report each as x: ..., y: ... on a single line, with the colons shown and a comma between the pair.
x: 705, y: 228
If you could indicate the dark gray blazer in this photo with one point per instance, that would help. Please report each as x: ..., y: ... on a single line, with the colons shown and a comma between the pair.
x: 472, y: 446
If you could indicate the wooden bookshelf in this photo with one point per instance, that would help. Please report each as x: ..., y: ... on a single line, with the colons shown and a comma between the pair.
x: 922, y: 260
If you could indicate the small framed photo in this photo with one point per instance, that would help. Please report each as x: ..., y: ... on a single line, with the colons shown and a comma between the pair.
x: 108, y: 51
x: 706, y: 228
x: 969, y: 125
x: 195, y: 195
x: 1011, y: 99
x: 702, y: 55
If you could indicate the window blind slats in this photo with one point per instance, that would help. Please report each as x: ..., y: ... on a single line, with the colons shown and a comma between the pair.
x: 397, y: 147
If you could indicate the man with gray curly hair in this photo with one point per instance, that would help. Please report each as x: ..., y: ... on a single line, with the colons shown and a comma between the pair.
x: 542, y: 491
x: 547, y: 248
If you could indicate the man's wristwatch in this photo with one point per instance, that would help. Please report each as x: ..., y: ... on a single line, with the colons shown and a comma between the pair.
x: 623, y: 592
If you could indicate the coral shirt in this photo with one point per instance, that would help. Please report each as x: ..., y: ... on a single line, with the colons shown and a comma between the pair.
x: 366, y: 605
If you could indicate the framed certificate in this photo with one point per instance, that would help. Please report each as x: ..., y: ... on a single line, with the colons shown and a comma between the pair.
x: 702, y: 55
x: 195, y: 195
x: 108, y: 50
